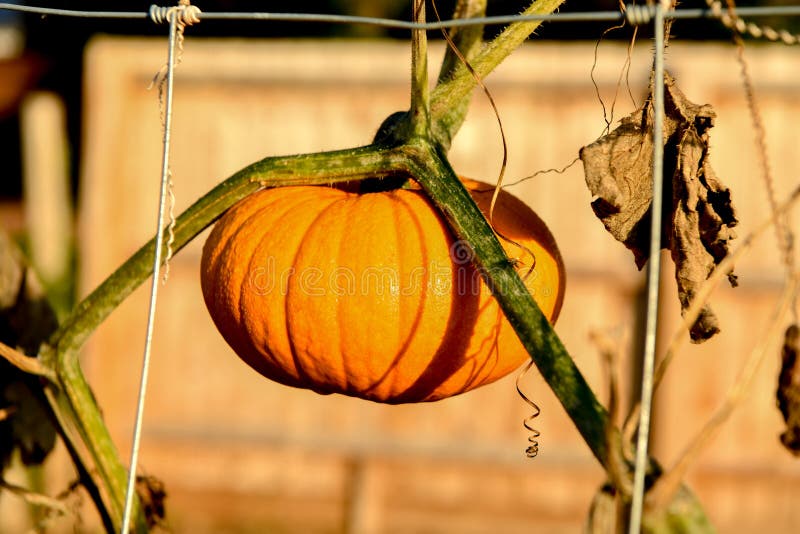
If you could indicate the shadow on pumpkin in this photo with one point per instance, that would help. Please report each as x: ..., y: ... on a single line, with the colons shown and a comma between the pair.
x: 452, y: 355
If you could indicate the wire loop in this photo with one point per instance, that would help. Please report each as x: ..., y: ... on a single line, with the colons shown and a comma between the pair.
x: 185, y: 13
x: 638, y: 15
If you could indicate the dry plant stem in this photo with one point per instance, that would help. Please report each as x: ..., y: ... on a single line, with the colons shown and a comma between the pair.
x: 448, y: 95
x: 35, y: 499
x: 702, y: 296
x: 608, y: 115
x: 618, y: 470
x: 667, y: 485
x: 783, y: 231
x: 25, y: 363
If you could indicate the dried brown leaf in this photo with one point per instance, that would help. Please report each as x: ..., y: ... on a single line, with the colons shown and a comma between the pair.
x: 788, y: 395
x: 26, y: 319
x: 698, y: 213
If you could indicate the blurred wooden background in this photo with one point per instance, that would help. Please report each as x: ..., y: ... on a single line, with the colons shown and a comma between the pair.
x: 241, y: 454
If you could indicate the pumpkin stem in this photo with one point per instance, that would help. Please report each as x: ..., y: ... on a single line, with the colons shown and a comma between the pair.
x: 419, y: 115
x: 401, y: 126
x: 447, y: 104
x: 467, y: 41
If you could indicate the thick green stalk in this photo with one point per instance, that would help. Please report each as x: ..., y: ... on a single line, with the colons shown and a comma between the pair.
x: 420, y: 93
x: 305, y: 169
x: 71, y: 398
x: 467, y: 39
x: 83, y: 429
x: 449, y: 95
x: 74, y: 404
x: 432, y: 170
x: 463, y: 44
x: 434, y: 173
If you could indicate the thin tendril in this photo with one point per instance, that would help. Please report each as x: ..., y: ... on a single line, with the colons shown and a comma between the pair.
x: 533, y: 449
x: 608, y: 120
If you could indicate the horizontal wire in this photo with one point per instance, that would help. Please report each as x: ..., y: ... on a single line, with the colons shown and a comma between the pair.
x: 75, y: 13
x: 408, y: 25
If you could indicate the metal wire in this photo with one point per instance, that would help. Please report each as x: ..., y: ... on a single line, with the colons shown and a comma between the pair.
x: 594, y: 16
x: 137, y: 428
x: 653, y: 277
x: 44, y: 11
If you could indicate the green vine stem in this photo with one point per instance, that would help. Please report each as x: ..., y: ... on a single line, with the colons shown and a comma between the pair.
x: 418, y: 159
x: 447, y: 113
x: 433, y: 172
x: 74, y: 404
x: 468, y: 41
x: 71, y: 398
x: 304, y: 169
x: 420, y: 93
x: 89, y: 444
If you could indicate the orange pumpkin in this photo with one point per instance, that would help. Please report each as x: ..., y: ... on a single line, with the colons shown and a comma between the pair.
x: 368, y: 294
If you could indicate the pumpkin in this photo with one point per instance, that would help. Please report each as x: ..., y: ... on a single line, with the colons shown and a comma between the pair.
x: 368, y: 294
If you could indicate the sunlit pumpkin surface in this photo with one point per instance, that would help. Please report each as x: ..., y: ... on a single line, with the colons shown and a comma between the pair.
x: 368, y: 294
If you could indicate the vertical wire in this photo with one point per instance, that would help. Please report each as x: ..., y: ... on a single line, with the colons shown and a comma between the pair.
x: 137, y: 429
x: 653, y: 277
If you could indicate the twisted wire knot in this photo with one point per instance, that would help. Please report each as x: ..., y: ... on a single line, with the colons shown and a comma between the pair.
x: 636, y: 15
x: 185, y: 13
